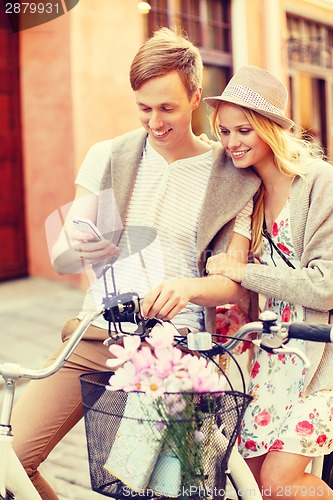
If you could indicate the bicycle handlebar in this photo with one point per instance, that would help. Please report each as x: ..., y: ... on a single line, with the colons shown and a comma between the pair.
x: 126, y: 306
x: 13, y: 371
x: 118, y: 308
x: 276, y: 335
x: 313, y: 333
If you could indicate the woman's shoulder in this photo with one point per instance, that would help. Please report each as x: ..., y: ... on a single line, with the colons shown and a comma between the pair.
x: 319, y: 172
x: 314, y: 188
x: 320, y: 169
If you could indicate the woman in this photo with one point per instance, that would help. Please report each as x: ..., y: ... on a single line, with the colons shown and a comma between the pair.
x: 290, y: 418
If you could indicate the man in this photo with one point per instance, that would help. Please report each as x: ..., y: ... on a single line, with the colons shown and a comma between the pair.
x: 165, y: 202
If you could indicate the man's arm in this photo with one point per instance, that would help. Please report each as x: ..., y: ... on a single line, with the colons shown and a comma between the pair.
x: 75, y: 249
x: 170, y: 297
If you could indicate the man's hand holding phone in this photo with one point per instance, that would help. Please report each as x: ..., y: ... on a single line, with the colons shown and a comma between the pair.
x: 90, y: 244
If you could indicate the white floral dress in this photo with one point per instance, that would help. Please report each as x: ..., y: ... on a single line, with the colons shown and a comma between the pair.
x: 279, y: 418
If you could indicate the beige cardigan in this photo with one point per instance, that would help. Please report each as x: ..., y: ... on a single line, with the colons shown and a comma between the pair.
x: 311, y: 213
x: 228, y: 191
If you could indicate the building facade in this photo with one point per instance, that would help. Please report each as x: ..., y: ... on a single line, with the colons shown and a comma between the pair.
x: 64, y: 85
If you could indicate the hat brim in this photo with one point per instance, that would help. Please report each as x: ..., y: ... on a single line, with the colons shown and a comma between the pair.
x: 283, y: 121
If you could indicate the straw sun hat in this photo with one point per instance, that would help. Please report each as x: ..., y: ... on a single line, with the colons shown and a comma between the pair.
x: 257, y: 89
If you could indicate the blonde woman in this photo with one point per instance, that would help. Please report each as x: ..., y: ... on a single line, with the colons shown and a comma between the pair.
x: 290, y: 418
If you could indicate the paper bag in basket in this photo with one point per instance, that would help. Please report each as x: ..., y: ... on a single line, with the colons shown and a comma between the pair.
x: 137, y: 444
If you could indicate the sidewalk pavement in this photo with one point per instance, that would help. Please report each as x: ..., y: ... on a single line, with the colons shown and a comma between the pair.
x: 32, y: 314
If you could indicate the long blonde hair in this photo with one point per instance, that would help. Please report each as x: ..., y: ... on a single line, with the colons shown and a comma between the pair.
x: 292, y: 156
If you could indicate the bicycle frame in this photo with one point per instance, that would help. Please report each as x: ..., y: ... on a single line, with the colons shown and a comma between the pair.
x: 247, y: 487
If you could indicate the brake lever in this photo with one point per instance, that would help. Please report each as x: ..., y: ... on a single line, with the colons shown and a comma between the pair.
x: 293, y: 350
x: 145, y: 326
x: 143, y: 330
x: 283, y: 350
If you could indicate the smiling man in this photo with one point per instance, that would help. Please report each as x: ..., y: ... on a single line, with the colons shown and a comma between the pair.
x: 162, y: 178
x: 166, y: 76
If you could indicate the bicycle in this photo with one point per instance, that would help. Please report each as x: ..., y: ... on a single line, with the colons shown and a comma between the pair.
x: 118, y: 308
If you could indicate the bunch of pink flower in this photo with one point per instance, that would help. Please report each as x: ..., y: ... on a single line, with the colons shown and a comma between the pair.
x: 160, y: 368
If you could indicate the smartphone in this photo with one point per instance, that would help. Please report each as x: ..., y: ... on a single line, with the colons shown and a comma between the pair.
x: 87, y: 226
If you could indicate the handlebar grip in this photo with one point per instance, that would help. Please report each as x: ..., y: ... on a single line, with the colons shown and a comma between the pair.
x: 314, y: 333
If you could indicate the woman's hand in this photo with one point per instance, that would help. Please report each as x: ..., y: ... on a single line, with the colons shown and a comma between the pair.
x: 204, y: 138
x: 227, y: 266
x: 167, y: 299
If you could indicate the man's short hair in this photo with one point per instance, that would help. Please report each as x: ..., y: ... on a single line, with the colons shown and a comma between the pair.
x: 164, y: 52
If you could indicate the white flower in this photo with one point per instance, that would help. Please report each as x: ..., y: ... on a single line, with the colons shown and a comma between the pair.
x: 153, y: 386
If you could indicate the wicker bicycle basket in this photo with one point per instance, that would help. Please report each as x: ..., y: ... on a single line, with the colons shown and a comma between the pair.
x: 124, y: 438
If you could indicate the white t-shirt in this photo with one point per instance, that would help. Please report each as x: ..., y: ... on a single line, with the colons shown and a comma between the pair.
x: 168, y: 198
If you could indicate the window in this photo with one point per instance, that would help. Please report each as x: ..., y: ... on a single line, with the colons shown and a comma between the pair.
x: 218, y: 25
x: 207, y: 22
x: 187, y: 15
x: 309, y: 42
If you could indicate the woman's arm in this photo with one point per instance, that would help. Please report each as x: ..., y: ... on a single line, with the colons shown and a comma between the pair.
x: 311, y: 286
x: 312, y: 229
